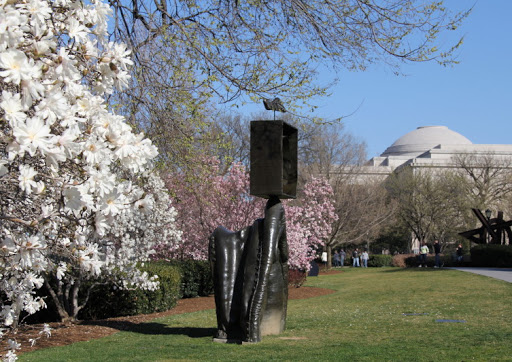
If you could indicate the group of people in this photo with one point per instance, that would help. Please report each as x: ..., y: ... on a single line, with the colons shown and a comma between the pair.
x: 424, y: 251
x: 361, y: 259
x: 358, y: 259
x: 338, y: 259
x: 364, y: 258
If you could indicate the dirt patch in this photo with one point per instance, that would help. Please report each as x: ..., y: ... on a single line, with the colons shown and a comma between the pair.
x: 64, y: 334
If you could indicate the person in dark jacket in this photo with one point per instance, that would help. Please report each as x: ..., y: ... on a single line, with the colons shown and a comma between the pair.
x: 437, y: 252
x: 355, y: 258
x: 460, y: 253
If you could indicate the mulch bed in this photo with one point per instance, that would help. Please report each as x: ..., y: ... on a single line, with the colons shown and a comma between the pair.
x: 64, y: 334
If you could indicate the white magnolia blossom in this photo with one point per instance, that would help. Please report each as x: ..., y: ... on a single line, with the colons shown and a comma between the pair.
x: 78, y: 197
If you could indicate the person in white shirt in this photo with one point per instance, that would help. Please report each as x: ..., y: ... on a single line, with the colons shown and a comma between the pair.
x: 364, y: 258
x: 324, y: 258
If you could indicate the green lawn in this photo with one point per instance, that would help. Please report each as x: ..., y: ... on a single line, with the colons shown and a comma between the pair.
x: 363, y: 321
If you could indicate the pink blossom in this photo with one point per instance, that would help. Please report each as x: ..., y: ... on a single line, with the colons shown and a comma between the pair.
x: 208, y: 199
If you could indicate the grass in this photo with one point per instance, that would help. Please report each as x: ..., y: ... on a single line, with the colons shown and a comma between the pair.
x: 363, y: 321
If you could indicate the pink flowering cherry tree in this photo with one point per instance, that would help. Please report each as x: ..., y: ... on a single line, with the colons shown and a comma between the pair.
x: 79, y: 199
x: 309, y: 222
x: 208, y: 199
x: 205, y: 200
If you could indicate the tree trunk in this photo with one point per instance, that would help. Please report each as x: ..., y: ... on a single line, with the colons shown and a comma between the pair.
x: 57, y: 300
x: 75, y: 308
x: 328, y: 248
x: 17, y: 311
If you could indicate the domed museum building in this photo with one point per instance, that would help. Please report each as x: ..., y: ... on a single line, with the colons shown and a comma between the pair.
x: 429, y: 146
x: 435, y: 148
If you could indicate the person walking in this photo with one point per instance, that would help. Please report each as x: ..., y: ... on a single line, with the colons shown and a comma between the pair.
x: 437, y: 252
x: 355, y: 258
x: 336, y: 259
x: 342, y: 257
x: 423, y: 254
x: 460, y: 253
x: 364, y: 258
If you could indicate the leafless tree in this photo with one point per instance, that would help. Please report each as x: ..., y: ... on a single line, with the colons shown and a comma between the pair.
x: 233, y: 133
x: 361, y: 203
x: 486, y: 179
x: 236, y: 47
x: 191, y: 55
x: 363, y: 209
x: 430, y: 204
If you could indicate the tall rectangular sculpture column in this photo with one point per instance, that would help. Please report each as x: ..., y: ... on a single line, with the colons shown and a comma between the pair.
x: 250, y: 267
x: 273, y: 176
x: 273, y: 159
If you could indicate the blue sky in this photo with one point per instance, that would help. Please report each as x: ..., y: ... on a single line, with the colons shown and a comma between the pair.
x: 473, y: 98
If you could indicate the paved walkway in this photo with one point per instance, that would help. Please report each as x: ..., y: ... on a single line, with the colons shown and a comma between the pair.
x: 497, y: 273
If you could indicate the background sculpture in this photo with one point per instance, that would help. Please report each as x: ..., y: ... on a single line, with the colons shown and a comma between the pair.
x: 250, y: 266
x: 493, y: 230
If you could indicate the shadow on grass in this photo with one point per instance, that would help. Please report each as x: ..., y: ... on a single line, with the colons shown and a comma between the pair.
x: 412, y: 269
x: 153, y: 328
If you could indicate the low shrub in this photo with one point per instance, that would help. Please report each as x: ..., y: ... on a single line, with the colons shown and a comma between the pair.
x: 450, y: 260
x: 168, y: 294
x: 379, y: 260
x: 107, y: 301
x: 196, y: 278
x: 490, y: 255
x: 413, y: 260
x: 399, y: 260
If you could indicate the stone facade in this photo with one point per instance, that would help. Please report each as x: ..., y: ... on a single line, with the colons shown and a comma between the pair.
x: 434, y: 148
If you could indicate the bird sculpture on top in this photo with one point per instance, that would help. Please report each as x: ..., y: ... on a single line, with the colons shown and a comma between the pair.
x: 274, y: 105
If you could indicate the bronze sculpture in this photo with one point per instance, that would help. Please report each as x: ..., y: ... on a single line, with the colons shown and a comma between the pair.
x: 250, y: 274
x: 274, y: 105
x: 493, y: 230
x: 250, y: 266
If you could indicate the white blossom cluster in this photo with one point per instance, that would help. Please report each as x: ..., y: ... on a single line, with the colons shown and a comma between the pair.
x: 77, y: 195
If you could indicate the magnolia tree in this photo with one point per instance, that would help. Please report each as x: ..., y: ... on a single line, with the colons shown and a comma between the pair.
x: 208, y: 199
x: 78, y: 199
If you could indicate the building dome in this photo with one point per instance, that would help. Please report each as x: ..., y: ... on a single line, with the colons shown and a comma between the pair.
x: 423, y: 139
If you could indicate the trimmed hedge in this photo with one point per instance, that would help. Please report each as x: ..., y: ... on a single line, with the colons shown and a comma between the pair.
x: 412, y: 260
x: 380, y: 260
x: 178, y: 279
x: 196, y: 278
x: 490, y: 255
x: 106, y: 301
x: 374, y: 260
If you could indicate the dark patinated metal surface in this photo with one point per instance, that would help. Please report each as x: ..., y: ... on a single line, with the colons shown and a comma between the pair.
x: 250, y: 266
x: 250, y: 273
x: 273, y: 170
